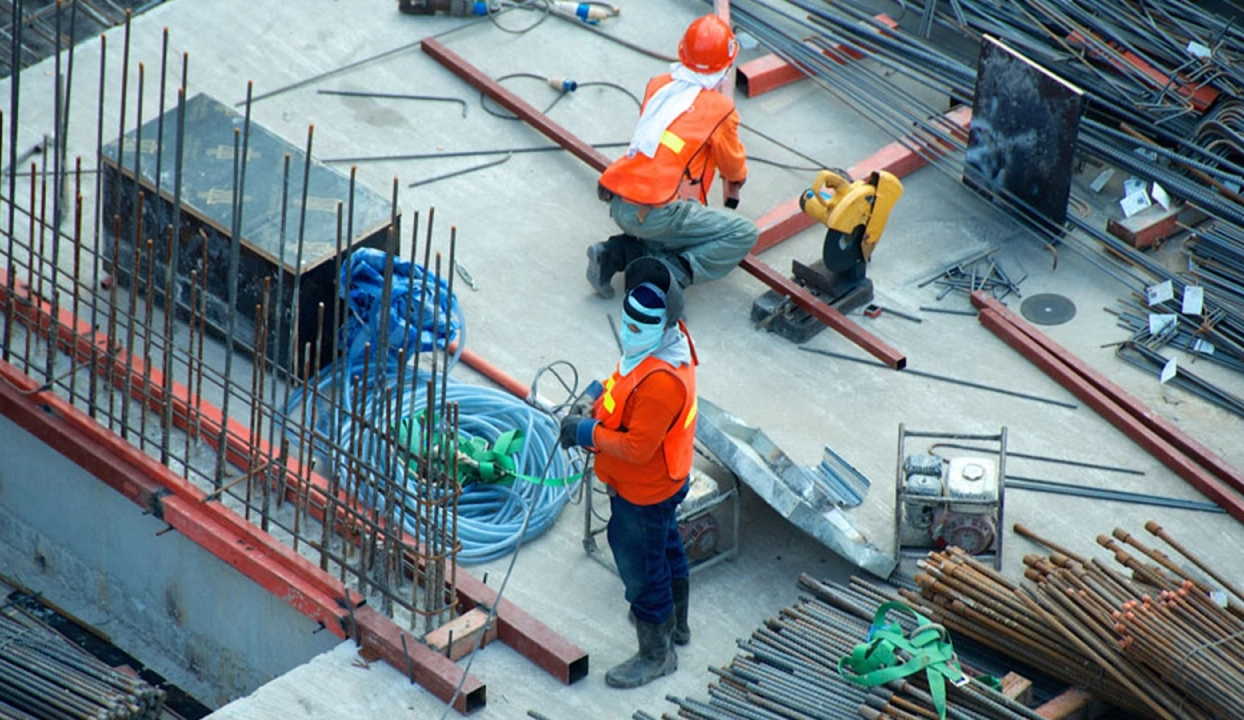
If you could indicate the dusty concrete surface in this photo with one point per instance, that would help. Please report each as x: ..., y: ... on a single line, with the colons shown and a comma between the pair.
x: 522, y: 228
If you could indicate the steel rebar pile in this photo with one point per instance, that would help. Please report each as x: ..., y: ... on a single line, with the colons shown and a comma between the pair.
x: 1149, y: 639
x: 45, y: 676
x: 789, y: 669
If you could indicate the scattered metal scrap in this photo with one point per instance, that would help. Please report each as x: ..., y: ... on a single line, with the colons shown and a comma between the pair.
x: 397, y: 96
x: 944, y: 378
x: 980, y: 272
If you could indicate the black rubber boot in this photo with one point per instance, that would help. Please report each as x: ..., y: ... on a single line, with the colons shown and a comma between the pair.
x: 682, y: 594
x: 604, y: 260
x: 656, y: 657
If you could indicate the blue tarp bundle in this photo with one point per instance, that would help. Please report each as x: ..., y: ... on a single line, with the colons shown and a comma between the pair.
x: 422, y: 298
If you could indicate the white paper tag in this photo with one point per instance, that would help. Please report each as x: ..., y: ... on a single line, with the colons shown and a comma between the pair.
x: 1100, y: 181
x: 1134, y: 203
x: 1194, y: 300
x: 1158, y: 193
x: 1202, y: 346
x: 1196, y: 49
x: 1161, y: 322
x: 1160, y: 293
x: 1146, y: 153
x: 1133, y: 185
x: 1168, y: 371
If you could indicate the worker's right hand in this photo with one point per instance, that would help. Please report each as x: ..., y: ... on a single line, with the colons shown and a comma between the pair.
x: 576, y: 431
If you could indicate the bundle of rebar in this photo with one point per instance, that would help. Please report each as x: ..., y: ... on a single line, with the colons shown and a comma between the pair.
x: 1153, y: 639
x: 789, y: 669
x: 43, y: 675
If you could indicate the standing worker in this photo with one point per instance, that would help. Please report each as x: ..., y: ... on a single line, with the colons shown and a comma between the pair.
x: 658, y: 191
x: 642, y: 430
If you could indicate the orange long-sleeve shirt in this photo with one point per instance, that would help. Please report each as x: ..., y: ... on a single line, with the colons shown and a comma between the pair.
x: 646, y: 418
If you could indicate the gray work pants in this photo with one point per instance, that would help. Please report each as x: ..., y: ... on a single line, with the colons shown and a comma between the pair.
x: 712, y: 240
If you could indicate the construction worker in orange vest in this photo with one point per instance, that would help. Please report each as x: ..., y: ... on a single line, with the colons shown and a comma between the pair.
x: 658, y: 190
x: 642, y: 431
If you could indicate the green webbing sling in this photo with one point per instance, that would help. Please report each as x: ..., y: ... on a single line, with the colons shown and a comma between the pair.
x: 928, y: 648
x: 485, y: 462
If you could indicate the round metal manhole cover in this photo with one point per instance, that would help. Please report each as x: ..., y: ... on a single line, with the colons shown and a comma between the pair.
x: 1048, y: 309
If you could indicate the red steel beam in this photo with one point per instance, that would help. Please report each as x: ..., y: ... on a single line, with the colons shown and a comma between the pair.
x: 1197, y: 452
x: 900, y: 158
x: 264, y: 560
x: 817, y: 308
x: 598, y: 162
x: 508, y: 100
x: 516, y: 627
x: 1226, y: 497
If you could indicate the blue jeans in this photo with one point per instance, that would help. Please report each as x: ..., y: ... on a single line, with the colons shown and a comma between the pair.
x: 712, y: 240
x: 648, y: 552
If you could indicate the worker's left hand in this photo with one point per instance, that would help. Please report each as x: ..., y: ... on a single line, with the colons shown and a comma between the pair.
x: 576, y: 431
x: 733, y: 188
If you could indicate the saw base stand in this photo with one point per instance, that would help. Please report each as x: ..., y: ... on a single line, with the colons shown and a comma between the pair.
x: 844, y: 291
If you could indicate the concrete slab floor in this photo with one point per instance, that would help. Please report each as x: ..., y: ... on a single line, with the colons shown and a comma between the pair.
x: 522, y: 229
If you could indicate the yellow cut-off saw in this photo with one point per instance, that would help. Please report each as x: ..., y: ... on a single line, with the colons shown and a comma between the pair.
x: 855, y: 213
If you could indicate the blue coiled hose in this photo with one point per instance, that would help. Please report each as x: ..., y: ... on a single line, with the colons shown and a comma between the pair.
x: 490, y: 515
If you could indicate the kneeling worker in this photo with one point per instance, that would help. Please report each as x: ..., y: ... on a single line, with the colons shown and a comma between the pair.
x: 658, y: 190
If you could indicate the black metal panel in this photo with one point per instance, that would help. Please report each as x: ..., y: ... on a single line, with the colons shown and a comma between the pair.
x: 1022, y: 137
x: 207, y: 192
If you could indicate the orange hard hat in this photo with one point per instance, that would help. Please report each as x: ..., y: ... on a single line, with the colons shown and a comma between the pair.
x: 708, y: 45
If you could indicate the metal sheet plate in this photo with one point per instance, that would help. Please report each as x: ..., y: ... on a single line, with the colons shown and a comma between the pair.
x: 1048, y: 309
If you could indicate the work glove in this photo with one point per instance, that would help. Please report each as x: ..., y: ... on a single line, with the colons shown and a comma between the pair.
x: 577, y: 431
x: 588, y: 399
x: 732, y: 192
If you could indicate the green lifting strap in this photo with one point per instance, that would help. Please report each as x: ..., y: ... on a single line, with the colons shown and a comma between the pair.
x: 928, y: 648
x: 484, y: 462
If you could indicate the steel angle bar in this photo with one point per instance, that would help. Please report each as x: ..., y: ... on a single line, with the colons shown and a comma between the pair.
x: 789, y: 489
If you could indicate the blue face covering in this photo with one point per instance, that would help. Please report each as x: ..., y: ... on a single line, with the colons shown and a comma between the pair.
x: 643, y: 325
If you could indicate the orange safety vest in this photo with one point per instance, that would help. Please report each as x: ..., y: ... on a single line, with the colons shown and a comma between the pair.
x: 678, y: 447
x: 680, y: 167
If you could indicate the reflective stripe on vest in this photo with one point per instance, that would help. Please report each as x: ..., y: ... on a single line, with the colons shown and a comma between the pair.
x: 678, y: 445
x: 656, y: 180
